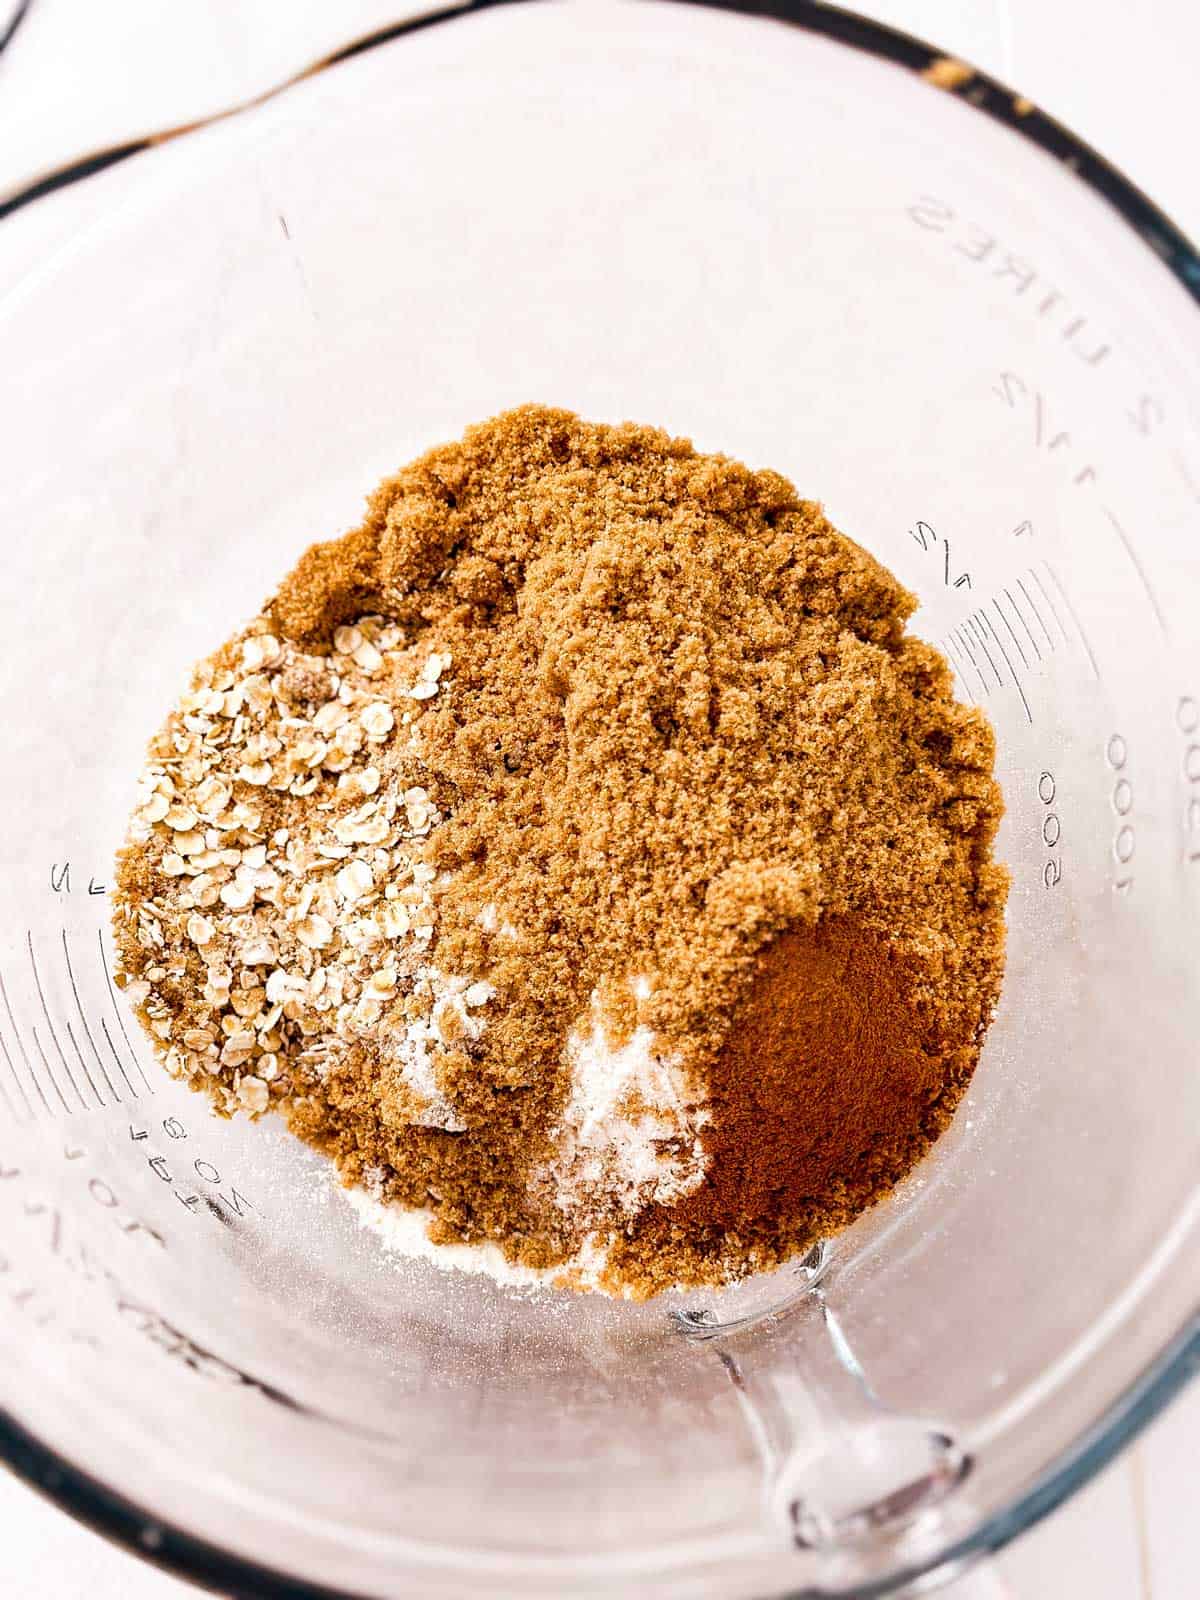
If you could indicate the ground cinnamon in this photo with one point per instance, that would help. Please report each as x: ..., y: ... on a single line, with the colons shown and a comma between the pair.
x: 826, y: 1090
x: 580, y: 851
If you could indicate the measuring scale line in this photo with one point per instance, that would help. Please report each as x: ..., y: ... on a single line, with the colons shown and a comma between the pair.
x: 83, y: 1019
x: 981, y: 641
x: 116, y: 1058
x: 37, y: 978
x: 964, y: 641
x: 1184, y: 471
x: 1037, y: 649
x: 8, y: 1101
x: 120, y: 1020
x: 959, y: 662
x: 1071, y: 612
x: 1020, y: 687
x: 20, y: 1043
x: 83, y: 1064
x: 1053, y: 608
x: 1135, y: 560
x: 1020, y: 648
x: 49, y: 1072
x: 951, y: 655
x: 1032, y: 604
x: 966, y: 644
x: 19, y: 1086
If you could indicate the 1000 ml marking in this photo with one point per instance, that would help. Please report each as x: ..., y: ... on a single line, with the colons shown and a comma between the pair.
x: 1124, y: 843
x: 1187, y: 720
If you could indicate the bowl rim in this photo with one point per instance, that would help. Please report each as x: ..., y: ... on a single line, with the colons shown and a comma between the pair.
x: 136, y: 1529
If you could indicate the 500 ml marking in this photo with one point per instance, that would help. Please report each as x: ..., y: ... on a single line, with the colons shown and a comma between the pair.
x: 1124, y: 844
x: 1187, y: 720
x: 1051, y: 830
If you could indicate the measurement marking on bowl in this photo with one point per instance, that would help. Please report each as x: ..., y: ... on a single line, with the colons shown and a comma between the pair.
x: 978, y: 640
x: 981, y: 640
x: 83, y: 1019
x: 20, y: 1043
x: 1051, y: 829
x: 1047, y: 437
x: 37, y: 978
x: 966, y: 644
x: 1074, y: 616
x: 20, y: 1087
x: 1012, y: 632
x: 952, y: 655
x: 954, y: 652
x: 1037, y: 649
x: 1128, y: 546
x: 83, y: 1064
x: 1016, y: 678
x: 9, y: 1101
x: 924, y: 534
x: 112, y: 992
x: 1032, y: 604
x: 960, y: 668
x: 1041, y: 587
x: 120, y: 1064
x: 1187, y: 720
x: 37, y: 1044
x: 1124, y: 843
x: 1185, y: 472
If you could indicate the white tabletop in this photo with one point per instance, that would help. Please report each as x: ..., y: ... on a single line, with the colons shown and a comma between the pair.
x: 76, y: 79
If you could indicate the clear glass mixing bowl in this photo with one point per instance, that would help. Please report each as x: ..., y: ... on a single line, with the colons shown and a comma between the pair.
x: 935, y: 311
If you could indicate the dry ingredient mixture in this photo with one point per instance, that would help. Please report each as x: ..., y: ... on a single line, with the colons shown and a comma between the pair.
x: 580, y: 852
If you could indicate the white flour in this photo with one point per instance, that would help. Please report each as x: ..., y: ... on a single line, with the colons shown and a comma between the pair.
x: 630, y: 1133
x: 406, y: 1233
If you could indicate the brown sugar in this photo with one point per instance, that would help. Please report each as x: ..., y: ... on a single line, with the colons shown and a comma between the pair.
x: 579, y: 851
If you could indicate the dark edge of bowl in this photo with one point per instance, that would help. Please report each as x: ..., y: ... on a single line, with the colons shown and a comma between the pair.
x: 241, y: 1578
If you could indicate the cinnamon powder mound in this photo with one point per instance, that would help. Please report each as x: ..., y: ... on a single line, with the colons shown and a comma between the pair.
x: 826, y: 1091
x: 580, y: 851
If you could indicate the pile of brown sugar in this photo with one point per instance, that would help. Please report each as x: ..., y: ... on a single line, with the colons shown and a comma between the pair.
x: 578, y: 851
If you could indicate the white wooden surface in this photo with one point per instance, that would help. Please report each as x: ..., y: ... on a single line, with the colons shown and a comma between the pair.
x: 78, y: 78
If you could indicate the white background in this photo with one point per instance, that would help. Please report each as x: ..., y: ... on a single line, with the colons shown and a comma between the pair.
x: 79, y: 78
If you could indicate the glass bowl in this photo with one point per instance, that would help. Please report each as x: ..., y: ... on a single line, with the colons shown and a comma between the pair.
x: 813, y: 244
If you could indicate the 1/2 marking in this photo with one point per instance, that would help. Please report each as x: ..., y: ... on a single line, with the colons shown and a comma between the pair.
x: 1046, y: 436
x: 927, y: 537
x: 1147, y: 414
